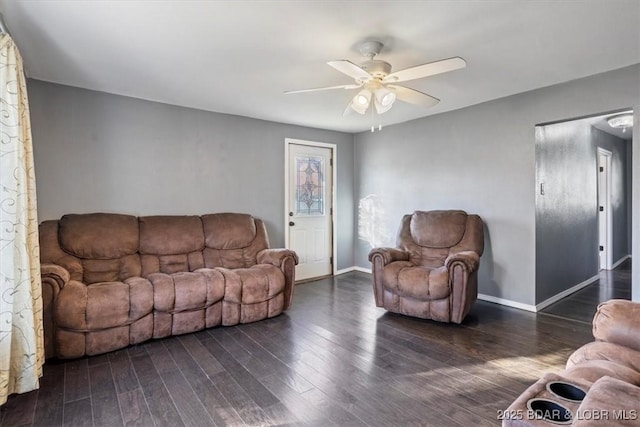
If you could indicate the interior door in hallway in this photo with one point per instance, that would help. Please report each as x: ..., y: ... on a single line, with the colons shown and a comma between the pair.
x: 310, y: 209
x: 605, y: 217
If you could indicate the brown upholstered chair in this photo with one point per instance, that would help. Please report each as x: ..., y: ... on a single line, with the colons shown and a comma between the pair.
x: 432, y: 273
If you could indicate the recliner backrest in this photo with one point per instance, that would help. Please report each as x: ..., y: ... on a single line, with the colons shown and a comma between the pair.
x: 431, y: 236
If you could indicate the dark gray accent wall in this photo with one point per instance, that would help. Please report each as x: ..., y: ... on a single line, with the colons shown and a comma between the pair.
x: 97, y: 152
x: 481, y: 159
x: 567, y: 213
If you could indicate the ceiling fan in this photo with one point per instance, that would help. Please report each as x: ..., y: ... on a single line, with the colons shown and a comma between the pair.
x: 377, y: 83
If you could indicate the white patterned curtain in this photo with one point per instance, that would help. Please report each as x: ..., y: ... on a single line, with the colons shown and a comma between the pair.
x: 21, y: 335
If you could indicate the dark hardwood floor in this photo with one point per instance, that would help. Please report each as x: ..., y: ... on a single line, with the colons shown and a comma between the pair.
x: 581, y: 305
x: 332, y: 359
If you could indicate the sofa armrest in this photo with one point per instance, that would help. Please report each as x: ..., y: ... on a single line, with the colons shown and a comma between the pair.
x: 55, y: 274
x: 286, y: 260
x: 470, y: 259
x: 618, y: 321
x: 276, y: 256
x: 388, y: 255
x: 54, y: 278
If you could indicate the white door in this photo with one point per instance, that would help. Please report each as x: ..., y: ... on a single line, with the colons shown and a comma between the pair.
x: 310, y: 209
x: 605, y: 217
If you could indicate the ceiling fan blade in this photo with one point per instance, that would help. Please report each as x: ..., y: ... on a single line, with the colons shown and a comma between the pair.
x: 348, y: 111
x: 426, y: 70
x: 350, y: 69
x: 353, y: 86
x: 413, y: 96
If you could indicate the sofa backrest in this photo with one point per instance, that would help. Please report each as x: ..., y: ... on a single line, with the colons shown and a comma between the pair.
x: 233, y: 240
x: 103, y: 247
x: 106, y: 245
x: 431, y: 236
x: 169, y: 244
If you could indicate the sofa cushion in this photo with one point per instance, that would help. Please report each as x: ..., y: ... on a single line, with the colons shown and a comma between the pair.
x: 171, y: 244
x: 170, y: 235
x: 228, y: 230
x: 593, y: 370
x: 187, y: 301
x: 615, y: 398
x: 99, y: 235
x: 618, y: 321
x: 103, y: 305
x: 252, y: 293
x: 438, y: 229
x: 420, y: 283
x: 600, y: 350
x: 233, y: 240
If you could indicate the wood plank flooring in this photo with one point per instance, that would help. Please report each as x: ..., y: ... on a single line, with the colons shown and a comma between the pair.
x: 333, y: 359
x: 581, y: 306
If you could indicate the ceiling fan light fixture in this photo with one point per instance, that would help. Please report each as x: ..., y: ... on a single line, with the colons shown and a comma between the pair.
x: 623, y: 121
x: 388, y: 99
x: 360, y: 102
x: 376, y: 82
x: 384, y: 99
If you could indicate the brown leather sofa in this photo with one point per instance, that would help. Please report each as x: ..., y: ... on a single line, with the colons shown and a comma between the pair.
x: 432, y: 273
x: 601, y: 383
x: 110, y: 280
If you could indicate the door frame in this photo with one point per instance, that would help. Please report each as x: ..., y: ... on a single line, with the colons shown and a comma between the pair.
x: 605, y: 193
x: 334, y: 213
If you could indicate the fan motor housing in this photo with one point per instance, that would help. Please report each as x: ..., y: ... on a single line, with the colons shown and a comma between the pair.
x: 376, y: 68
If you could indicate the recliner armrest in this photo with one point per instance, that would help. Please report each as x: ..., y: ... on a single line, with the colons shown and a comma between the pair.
x: 389, y: 255
x: 470, y: 259
x: 55, y: 273
x: 276, y: 256
x: 618, y: 321
x: 54, y: 277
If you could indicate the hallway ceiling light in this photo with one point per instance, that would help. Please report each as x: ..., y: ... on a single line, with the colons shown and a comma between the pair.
x: 623, y: 121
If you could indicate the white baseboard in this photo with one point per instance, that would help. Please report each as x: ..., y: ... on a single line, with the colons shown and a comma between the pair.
x: 354, y: 268
x: 566, y: 292
x: 363, y: 270
x: 507, y: 302
x: 620, y: 261
x: 344, y: 270
x: 577, y: 287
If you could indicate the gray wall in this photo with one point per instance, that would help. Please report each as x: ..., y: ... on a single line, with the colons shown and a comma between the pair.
x: 101, y: 152
x: 97, y: 152
x: 481, y: 159
x: 567, y: 213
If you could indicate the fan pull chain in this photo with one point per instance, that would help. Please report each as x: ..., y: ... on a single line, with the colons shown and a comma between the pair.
x: 373, y: 120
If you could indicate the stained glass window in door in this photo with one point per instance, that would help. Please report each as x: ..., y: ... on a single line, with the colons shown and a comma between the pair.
x: 309, y: 185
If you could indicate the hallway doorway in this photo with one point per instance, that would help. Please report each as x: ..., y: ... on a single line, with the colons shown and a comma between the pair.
x: 583, y: 204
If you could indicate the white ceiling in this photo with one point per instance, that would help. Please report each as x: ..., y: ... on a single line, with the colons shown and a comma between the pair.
x: 238, y: 57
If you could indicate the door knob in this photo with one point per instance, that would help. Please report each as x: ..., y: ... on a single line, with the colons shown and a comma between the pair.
x: 291, y: 223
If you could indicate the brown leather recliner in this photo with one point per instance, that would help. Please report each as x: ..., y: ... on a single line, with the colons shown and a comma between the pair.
x: 433, y: 272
